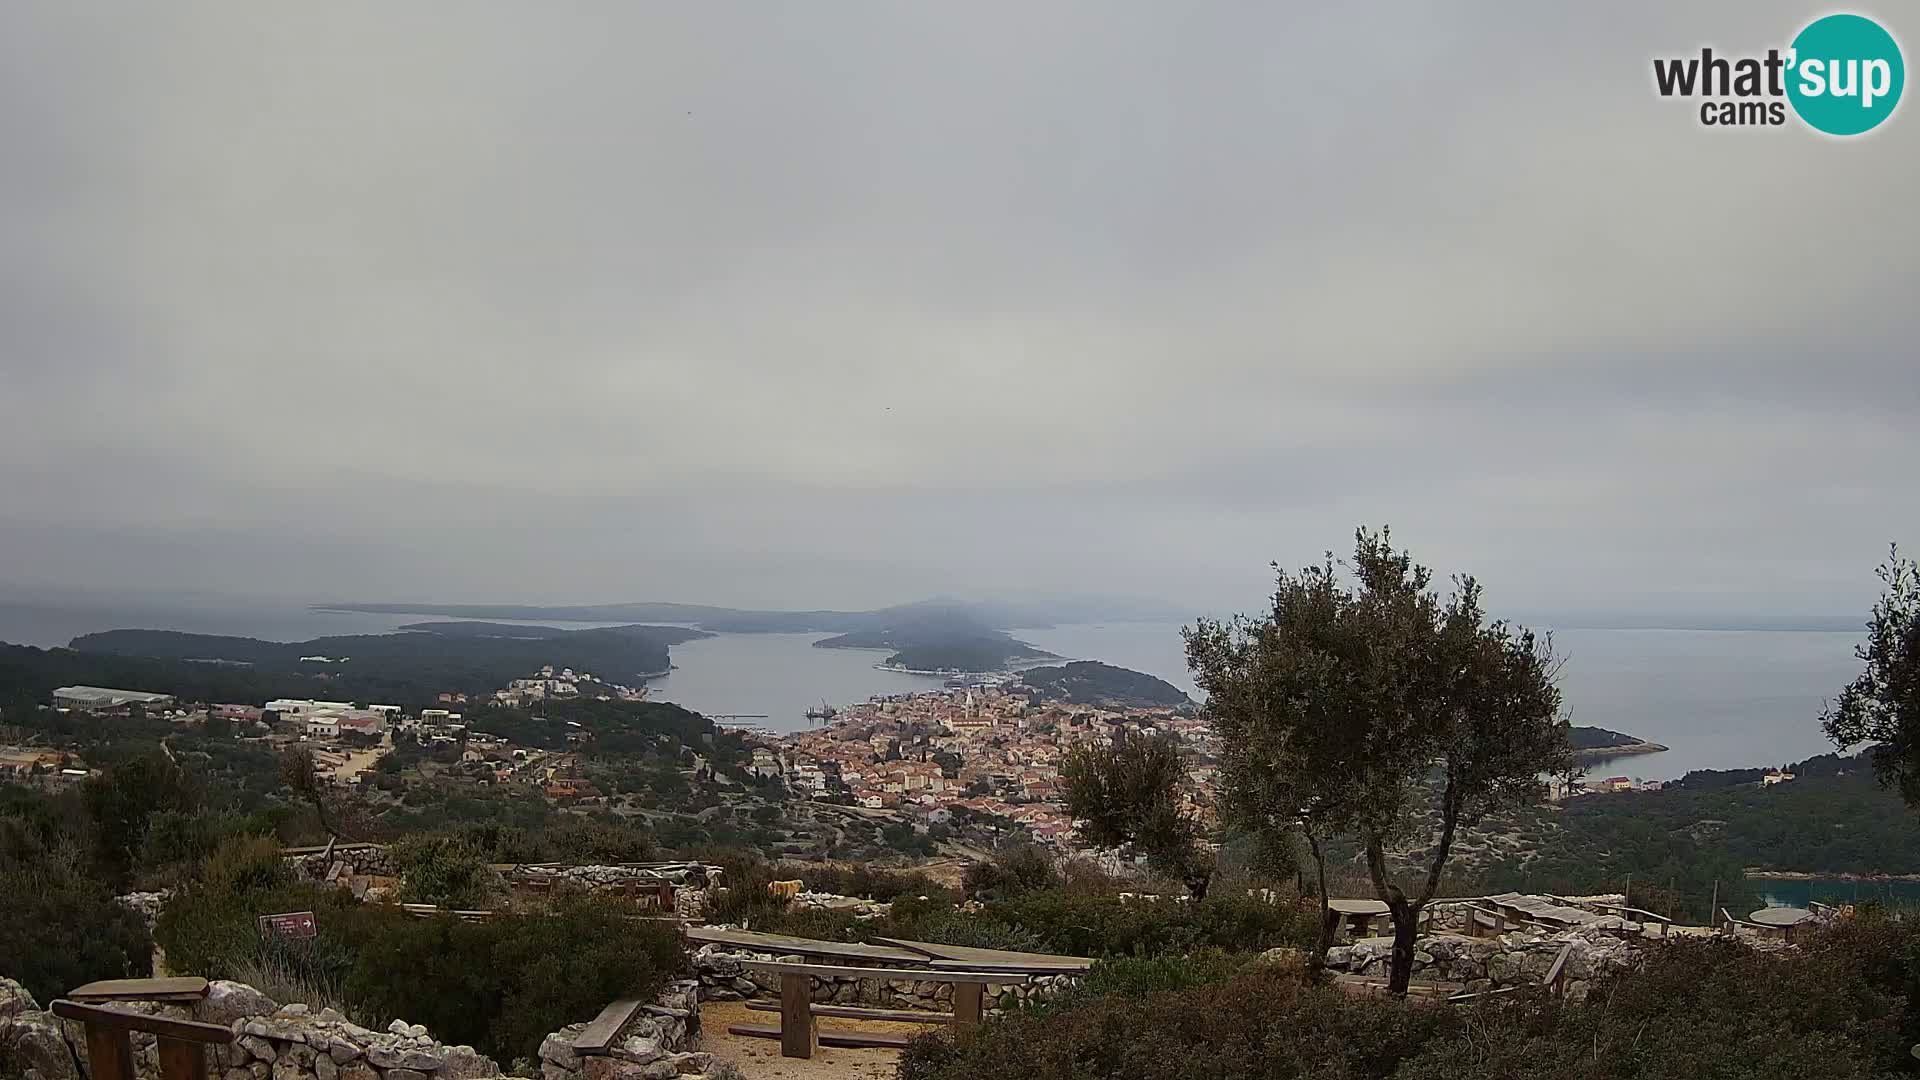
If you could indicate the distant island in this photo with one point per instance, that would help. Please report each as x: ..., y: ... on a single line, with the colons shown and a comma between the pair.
x: 1089, y: 682
x: 939, y: 639
x: 1595, y: 743
x: 997, y: 615
x: 410, y: 667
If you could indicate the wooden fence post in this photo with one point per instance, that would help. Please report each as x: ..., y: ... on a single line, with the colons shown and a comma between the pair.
x: 799, y: 1031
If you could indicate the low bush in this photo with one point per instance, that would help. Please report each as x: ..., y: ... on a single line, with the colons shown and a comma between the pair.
x: 445, y: 870
x: 501, y: 985
x: 1136, y: 975
x: 1713, y: 1010
x: 60, y: 927
x: 1083, y: 924
x: 1012, y: 872
x: 864, y: 881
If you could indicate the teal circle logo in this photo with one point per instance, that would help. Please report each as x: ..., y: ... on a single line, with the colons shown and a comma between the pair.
x: 1845, y: 74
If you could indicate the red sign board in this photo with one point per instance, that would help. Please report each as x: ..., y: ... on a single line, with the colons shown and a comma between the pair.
x: 293, y: 924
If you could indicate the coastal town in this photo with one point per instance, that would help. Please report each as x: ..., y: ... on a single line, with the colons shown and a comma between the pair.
x: 985, y: 749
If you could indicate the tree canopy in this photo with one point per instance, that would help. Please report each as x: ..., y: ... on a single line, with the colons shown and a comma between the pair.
x: 1363, y: 698
x: 1882, y: 705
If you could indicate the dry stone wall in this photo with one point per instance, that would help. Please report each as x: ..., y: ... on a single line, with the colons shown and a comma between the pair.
x: 271, y: 1042
x: 653, y: 1045
x: 364, y: 860
x: 723, y: 977
x: 1512, y: 959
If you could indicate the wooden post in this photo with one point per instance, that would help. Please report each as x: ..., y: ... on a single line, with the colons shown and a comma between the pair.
x: 1713, y: 908
x: 799, y: 1032
x: 967, y: 1004
x: 182, y: 1060
x: 109, y: 1053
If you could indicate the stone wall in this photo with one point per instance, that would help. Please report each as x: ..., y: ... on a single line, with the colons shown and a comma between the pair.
x: 147, y: 905
x: 364, y: 860
x: 723, y: 978
x: 1513, y: 959
x: 690, y: 881
x: 271, y: 1042
x: 31, y: 1042
x: 651, y: 1046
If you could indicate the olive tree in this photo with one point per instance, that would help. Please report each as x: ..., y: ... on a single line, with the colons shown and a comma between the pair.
x: 1127, y: 794
x: 1365, y: 703
x: 1882, y: 705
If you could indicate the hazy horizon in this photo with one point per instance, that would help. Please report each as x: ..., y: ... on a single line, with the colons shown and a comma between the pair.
x: 855, y: 305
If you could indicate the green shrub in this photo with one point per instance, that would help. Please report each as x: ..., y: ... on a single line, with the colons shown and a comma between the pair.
x: 501, y: 985
x: 1716, y: 1010
x: 885, y: 886
x: 1090, y: 925
x: 1137, y: 975
x: 1015, y: 871
x: 59, y: 927
x: 445, y: 870
x: 243, y: 865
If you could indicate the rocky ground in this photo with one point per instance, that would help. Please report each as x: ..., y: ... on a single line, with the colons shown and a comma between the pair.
x: 759, y: 1059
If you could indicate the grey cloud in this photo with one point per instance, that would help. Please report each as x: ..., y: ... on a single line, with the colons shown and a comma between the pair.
x: 846, y: 304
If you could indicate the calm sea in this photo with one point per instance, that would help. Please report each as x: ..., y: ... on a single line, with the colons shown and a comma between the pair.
x: 1717, y: 698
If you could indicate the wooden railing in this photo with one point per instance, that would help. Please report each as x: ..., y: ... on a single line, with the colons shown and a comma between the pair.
x: 800, y: 1035
x: 182, y: 1043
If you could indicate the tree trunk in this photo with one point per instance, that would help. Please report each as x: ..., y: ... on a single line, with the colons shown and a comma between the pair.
x: 1326, y: 915
x: 1406, y: 917
x: 1197, y: 886
x: 1406, y: 928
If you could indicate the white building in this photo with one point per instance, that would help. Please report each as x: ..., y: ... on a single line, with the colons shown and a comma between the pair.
x: 324, y: 726
x: 301, y: 708
x: 91, y: 698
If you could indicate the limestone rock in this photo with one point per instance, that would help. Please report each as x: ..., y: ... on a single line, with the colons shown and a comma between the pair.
x: 15, y: 999
x: 229, y: 1001
x: 257, y: 1047
x: 691, y: 1064
x: 558, y: 1047
x: 391, y: 1057
x: 465, y: 1063
x: 33, y: 1041
x: 636, y: 1048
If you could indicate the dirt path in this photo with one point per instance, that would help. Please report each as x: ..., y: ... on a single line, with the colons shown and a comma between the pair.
x: 759, y: 1059
x: 360, y: 762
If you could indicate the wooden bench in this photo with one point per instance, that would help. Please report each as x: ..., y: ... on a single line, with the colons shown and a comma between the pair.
x: 180, y: 989
x: 1640, y: 915
x: 799, y: 1033
x: 597, y: 1037
x: 182, y: 1044
x: 854, y: 1012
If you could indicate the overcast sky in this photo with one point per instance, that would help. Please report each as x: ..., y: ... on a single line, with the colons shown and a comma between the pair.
x: 844, y: 304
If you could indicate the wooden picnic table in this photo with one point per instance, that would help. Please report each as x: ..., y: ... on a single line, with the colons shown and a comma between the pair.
x: 779, y: 944
x: 965, y: 958
x: 180, y: 1045
x: 799, y: 1032
x: 1358, y: 914
x: 1783, y: 919
x: 175, y: 989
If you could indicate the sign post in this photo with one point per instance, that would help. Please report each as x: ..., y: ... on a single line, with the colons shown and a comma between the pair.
x: 293, y: 925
